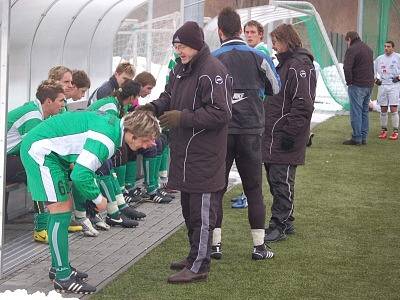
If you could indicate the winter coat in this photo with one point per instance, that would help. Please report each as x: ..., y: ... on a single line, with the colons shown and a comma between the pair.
x: 254, y: 75
x: 358, y: 64
x: 288, y: 114
x: 105, y: 90
x: 201, y: 90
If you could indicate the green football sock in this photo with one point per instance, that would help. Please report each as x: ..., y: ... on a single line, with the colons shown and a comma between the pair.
x: 79, y: 200
x: 156, y: 174
x: 108, y: 185
x: 130, y: 178
x: 41, y: 220
x: 149, y: 168
x: 41, y: 216
x: 164, y: 162
x: 58, y: 243
x: 121, y: 175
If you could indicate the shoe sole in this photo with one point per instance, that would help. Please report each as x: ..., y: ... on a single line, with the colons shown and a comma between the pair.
x: 259, y: 257
x: 71, y: 292
x: 122, y: 225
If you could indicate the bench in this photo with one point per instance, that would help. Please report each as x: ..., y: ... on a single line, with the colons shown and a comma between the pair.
x: 9, y: 188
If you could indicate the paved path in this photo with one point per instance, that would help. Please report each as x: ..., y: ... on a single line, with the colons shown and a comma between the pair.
x: 95, y: 256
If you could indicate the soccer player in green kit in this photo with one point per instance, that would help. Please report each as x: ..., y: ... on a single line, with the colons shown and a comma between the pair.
x: 86, y: 139
x: 49, y: 101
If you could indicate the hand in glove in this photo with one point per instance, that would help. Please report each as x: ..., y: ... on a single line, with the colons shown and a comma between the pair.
x: 147, y: 107
x: 396, y: 79
x: 378, y: 81
x: 287, y: 142
x: 170, y: 119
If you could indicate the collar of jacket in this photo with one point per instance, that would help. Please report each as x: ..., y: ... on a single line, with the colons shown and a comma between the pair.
x: 114, y: 82
x: 233, y: 41
x: 187, y: 68
x: 282, y: 57
x: 355, y: 41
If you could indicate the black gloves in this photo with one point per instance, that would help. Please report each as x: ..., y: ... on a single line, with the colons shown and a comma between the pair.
x: 378, y: 81
x: 287, y: 142
x: 147, y: 107
x: 170, y: 119
x: 396, y: 79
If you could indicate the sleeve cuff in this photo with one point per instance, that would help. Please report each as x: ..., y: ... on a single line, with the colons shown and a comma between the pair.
x: 186, y: 118
x: 98, y: 199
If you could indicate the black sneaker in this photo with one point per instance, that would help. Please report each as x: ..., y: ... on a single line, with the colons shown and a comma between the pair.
x: 262, y: 252
x: 73, y: 285
x: 132, y: 213
x: 165, y: 193
x: 274, y: 235
x: 216, y: 251
x: 75, y: 272
x: 138, y: 192
x: 122, y: 220
x: 157, y: 197
x: 132, y: 199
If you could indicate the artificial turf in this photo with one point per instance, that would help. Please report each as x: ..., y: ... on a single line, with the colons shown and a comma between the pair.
x: 346, y: 245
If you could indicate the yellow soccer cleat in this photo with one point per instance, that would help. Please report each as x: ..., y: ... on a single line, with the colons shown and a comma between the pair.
x: 41, y: 236
x: 74, y: 226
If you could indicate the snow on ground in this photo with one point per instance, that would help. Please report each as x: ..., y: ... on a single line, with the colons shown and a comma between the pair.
x: 23, y: 294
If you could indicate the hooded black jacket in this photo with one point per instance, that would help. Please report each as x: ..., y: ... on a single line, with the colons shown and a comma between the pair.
x: 200, y: 89
x: 288, y: 114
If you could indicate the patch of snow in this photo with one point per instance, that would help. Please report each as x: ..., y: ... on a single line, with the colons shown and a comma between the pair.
x: 23, y: 294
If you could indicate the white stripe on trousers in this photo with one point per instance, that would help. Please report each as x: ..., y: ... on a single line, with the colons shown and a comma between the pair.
x: 290, y: 192
x: 204, y: 232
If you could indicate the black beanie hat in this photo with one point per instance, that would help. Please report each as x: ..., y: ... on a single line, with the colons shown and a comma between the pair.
x: 189, y: 34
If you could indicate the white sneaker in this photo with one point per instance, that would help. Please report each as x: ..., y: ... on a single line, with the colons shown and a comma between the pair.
x: 87, y: 227
x: 100, y: 223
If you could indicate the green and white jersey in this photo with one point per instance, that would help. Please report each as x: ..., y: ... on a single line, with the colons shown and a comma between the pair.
x: 84, y: 138
x: 171, y: 65
x: 108, y: 105
x: 263, y: 48
x: 20, y: 121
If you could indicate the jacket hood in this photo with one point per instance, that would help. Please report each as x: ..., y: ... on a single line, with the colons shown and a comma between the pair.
x: 303, y: 51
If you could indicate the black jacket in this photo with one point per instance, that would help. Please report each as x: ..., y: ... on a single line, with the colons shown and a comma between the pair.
x: 200, y: 89
x: 105, y: 90
x: 358, y: 64
x: 254, y: 75
x: 288, y: 114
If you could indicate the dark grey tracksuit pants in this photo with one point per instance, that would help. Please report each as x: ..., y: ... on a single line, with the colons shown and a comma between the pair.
x: 281, y: 180
x: 245, y: 149
x: 199, y: 212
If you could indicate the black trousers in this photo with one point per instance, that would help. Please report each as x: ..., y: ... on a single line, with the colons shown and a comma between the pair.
x: 199, y: 212
x: 15, y: 171
x: 245, y: 149
x: 281, y: 180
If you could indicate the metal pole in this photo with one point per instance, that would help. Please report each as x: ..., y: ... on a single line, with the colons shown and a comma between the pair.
x: 5, y: 32
x: 270, y: 27
x: 149, y: 34
x: 182, y: 9
x: 360, y: 18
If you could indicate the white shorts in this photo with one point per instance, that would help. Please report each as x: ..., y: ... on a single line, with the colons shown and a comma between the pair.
x: 388, y: 94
